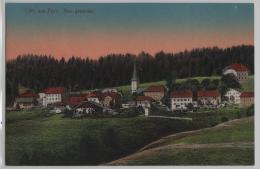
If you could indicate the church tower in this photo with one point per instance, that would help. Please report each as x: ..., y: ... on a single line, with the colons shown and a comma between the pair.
x: 135, y: 80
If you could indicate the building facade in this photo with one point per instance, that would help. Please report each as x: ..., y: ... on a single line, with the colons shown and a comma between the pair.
x: 26, y: 100
x: 181, y: 99
x: 52, y: 95
x: 246, y: 99
x: 144, y: 101
x: 209, y: 98
x: 240, y: 71
x: 233, y: 96
x: 155, y: 92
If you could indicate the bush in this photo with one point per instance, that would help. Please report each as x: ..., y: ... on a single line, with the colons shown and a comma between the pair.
x: 250, y: 111
x: 224, y: 119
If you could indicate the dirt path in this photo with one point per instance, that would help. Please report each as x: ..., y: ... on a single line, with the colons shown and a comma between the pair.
x: 183, y: 134
x: 152, y: 151
x: 152, y: 147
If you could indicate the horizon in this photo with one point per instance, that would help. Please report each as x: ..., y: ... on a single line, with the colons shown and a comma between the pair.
x: 134, y: 55
x: 116, y: 28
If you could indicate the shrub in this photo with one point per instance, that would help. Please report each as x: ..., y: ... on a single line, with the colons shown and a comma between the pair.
x: 250, y: 111
x: 224, y: 119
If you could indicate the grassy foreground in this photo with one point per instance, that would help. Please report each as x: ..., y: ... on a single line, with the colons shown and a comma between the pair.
x: 231, y: 143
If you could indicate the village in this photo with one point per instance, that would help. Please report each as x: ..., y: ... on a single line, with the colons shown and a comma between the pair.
x: 109, y: 101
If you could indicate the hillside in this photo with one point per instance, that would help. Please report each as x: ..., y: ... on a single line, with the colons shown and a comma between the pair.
x: 230, y: 143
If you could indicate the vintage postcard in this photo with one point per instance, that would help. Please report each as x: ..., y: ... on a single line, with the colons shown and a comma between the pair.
x: 129, y: 84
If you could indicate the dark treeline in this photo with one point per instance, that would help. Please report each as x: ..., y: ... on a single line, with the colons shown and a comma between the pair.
x: 38, y: 72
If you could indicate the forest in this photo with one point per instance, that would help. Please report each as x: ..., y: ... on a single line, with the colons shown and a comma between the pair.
x: 77, y: 73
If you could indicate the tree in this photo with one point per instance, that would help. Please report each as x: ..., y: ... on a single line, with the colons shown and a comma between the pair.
x: 231, y: 81
x: 205, y: 83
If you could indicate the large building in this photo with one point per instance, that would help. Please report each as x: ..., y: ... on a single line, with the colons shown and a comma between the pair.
x: 181, y: 99
x: 135, y: 80
x: 246, y: 99
x: 240, y: 71
x: 233, y: 96
x: 155, y: 92
x: 52, y: 95
x: 209, y: 97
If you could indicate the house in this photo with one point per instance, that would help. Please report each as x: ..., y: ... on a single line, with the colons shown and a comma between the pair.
x: 88, y: 108
x: 233, y: 96
x: 26, y: 100
x: 94, y: 96
x: 52, y: 95
x: 143, y: 101
x: 246, y: 99
x: 181, y: 99
x: 240, y: 71
x: 134, y: 81
x: 155, y: 92
x: 209, y: 98
x: 111, y: 99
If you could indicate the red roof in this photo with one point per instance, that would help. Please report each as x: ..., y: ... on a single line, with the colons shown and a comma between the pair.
x: 208, y: 93
x: 181, y: 94
x: 239, y: 67
x: 143, y: 98
x: 29, y: 94
x: 247, y: 94
x: 159, y: 88
x: 74, y: 100
x: 54, y: 90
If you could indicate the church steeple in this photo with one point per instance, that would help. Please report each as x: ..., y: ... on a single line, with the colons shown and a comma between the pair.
x: 135, y: 80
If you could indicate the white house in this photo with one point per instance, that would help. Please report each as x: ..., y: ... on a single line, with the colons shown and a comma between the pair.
x: 52, y: 95
x: 233, y: 96
x: 180, y: 99
x: 240, y: 71
x: 209, y: 97
x: 143, y: 101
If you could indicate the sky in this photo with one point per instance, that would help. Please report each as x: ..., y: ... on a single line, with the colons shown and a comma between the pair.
x: 97, y: 29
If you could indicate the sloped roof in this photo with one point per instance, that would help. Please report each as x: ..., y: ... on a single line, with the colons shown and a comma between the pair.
x: 28, y: 94
x: 208, y: 93
x: 24, y: 100
x: 158, y: 88
x: 239, y: 67
x: 54, y: 90
x: 247, y: 94
x: 181, y: 94
x: 143, y: 98
x: 74, y: 100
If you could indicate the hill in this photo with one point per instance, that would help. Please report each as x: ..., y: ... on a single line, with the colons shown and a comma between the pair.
x: 230, y: 143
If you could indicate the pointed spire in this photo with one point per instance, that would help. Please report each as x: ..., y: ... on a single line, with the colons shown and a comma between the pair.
x: 135, y: 77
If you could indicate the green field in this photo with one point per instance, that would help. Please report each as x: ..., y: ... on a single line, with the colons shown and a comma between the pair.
x: 229, y: 144
x: 34, y: 139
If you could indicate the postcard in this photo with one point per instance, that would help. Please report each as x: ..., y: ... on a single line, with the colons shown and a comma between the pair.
x: 129, y: 84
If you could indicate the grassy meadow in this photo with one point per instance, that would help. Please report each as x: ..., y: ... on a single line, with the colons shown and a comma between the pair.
x: 229, y: 144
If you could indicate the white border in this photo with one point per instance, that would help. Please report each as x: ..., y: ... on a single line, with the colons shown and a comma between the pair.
x: 256, y: 76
